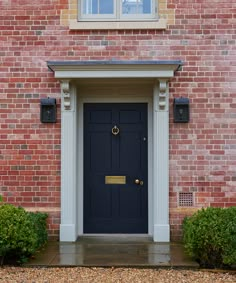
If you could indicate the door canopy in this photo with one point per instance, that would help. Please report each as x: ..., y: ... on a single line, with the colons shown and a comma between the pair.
x: 114, y: 69
x: 67, y: 71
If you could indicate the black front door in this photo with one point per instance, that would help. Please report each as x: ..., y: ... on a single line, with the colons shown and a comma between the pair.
x: 115, y: 168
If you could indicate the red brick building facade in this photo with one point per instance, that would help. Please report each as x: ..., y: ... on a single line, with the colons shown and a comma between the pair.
x: 202, y: 153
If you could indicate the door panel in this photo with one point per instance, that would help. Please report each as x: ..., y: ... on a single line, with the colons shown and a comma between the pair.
x: 126, y: 198
x: 129, y: 117
x: 101, y: 117
x: 100, y: 147
x: 100, y: 202
x: 111, y: 207
x: 129, y: 146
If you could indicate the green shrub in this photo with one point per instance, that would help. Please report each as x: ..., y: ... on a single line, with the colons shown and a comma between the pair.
x: 18, y: 237
x: 21, y: 233
x: 39, y: 221
x: 210, y: 236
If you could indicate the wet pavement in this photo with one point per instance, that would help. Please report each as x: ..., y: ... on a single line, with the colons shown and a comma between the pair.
x: 119, y: 251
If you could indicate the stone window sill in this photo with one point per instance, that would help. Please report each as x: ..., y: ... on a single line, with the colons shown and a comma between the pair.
x: 84, y: 25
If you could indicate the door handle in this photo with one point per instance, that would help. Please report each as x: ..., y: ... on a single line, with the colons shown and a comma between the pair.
x: 138, y: 182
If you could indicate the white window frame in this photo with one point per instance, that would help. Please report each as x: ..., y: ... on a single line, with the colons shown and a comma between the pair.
x: 100, y: 17
x: 117, y: 15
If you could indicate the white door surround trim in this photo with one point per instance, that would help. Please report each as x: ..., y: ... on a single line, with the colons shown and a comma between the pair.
x: 160, y: 72
x: 86, y: 98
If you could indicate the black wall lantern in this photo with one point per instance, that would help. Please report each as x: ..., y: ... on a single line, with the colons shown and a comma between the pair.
x: 181, y: 110
x: 48, y: 110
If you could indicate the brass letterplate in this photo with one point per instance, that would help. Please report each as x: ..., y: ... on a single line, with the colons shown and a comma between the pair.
x: 113, y: 180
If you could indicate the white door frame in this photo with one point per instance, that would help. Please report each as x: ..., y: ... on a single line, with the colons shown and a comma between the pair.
x: 160, y: 72
x: 106, y: 99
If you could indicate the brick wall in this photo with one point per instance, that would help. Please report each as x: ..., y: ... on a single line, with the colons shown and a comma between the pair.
x: 202, y: 152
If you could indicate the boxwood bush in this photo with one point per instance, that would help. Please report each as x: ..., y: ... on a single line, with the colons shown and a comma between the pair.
x: 210, y: 237
x: 39, y: 221
x: 21, y: 233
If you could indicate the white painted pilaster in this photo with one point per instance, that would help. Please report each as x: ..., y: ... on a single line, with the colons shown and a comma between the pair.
x: 68, y: 229
x: 161, y: 229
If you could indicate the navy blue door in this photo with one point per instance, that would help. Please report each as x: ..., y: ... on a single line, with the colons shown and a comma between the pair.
x: 115, y: 168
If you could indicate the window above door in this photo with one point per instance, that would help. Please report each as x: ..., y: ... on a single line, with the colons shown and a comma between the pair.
x: 117, y: 14
x: 117, y: 10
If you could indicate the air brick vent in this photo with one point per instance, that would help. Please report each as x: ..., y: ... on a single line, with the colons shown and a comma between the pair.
x: 186, y: 199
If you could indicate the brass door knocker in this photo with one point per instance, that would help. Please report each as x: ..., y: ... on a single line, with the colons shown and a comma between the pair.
x: 115, y: 130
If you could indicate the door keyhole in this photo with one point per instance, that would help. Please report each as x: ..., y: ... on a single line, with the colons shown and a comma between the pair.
x: 138, y: 182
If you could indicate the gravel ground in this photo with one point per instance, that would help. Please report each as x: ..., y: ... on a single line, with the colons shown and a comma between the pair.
x: 111, y: 275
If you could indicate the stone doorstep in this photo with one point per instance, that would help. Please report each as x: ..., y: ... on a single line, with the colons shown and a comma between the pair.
x: 112, y: 253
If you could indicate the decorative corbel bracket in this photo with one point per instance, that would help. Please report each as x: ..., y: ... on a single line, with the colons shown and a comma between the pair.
x: 66, y: 97
x: 163, y: 99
